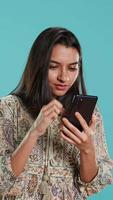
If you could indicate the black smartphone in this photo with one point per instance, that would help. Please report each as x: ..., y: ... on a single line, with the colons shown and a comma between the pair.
x: 84, y: 104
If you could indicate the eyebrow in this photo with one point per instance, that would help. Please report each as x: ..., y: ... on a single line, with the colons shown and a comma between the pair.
x: 56, y: 62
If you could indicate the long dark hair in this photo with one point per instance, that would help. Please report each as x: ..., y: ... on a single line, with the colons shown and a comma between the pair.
x: 33, y: 88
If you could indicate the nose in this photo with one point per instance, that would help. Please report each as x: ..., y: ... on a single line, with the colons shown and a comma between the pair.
x: 63, y: 76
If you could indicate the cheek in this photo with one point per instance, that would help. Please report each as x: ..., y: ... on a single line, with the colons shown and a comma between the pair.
x: 51, y: 76
x: 73, y: 78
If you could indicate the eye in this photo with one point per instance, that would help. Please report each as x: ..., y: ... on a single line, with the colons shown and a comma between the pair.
x: 73, y: 68
x: 53, y: 66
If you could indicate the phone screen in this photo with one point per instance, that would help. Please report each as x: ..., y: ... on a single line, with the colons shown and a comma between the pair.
x: 84, y: 104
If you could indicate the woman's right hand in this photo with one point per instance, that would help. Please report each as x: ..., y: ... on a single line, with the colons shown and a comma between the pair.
x: 47, y: 114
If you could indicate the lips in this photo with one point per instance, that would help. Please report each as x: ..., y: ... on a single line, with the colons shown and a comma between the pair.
x: 61, y: 87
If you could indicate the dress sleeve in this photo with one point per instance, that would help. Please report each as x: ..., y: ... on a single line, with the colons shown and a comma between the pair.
x: 7, y: 131
x: 105, y: 164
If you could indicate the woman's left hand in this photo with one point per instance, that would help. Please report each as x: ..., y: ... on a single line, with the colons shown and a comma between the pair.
x: 82, y: 140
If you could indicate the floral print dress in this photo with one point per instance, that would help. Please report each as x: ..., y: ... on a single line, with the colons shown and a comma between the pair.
x: 61, y: 159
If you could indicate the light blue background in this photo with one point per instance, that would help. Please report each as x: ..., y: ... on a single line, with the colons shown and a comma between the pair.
x: 91, y: 20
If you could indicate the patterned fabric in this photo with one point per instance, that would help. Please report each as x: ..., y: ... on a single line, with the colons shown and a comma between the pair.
x: 63, y: 159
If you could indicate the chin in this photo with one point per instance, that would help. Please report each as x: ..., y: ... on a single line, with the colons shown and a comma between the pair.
x: 59, y: 94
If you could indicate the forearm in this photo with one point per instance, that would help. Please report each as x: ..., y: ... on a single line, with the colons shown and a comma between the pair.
x: 21, y: 154
x: 88, y: 165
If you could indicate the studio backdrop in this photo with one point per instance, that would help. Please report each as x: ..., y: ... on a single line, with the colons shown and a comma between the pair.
x: 92, y: 21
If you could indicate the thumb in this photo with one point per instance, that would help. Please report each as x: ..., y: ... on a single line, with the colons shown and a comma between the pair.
x: 93, y: 122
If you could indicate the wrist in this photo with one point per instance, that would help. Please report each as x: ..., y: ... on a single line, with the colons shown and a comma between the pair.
x: 33, y: 135
x: 88, y: 151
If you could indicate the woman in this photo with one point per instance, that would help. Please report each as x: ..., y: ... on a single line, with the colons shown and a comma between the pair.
x: 43, y: 155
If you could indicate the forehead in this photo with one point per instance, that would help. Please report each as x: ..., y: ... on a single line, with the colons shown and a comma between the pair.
x: 63, y: 53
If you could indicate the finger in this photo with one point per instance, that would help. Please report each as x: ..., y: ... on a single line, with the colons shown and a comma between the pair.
x: 93, y: 122
x: 57, y: 103
x: 71, y: 127
x: 45, y: 120
x: 50, y: 117
x: 52, y: 103
x: 53, y: 108
x: 70, y: 134
x: 66, y: 138
x: 82, y: 121
x: 80, y: 137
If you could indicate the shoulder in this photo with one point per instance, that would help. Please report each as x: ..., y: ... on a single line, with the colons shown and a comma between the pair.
x: 9, y: 103
x: 99, y: 121
x: 97, y: 113
x: 8, y: 99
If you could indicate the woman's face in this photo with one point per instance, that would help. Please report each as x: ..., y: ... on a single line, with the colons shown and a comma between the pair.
x: 63, y: 69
